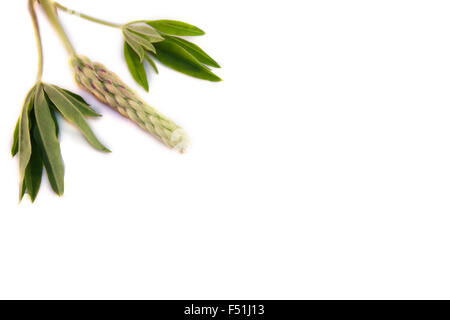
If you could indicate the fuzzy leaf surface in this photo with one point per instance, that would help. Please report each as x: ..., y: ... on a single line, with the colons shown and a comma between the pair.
x: 80, y: 103
x: 143, y: 42
x: 147, y: 32
x: 137, y: 48
x: 70, y: 112
x: 84, y: 108
x: 73, y: 94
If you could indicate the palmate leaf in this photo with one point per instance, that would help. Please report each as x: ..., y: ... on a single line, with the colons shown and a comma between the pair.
x: 45, y: 135
x: 176, y: 28
x: 15, y: 145
x: 70, y: 112
x: 173, y: 55
x: 141, y: 41
x: 135, y: 66
x: 196, y: 51
x: 36, y: 136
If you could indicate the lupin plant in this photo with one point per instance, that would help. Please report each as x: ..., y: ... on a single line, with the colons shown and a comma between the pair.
x: 36, y: 136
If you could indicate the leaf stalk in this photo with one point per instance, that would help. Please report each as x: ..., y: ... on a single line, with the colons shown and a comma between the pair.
x: 38, y: 38
x: 86, y: 17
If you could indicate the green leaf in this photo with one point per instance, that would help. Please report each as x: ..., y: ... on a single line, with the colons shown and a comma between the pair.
x: 83, y: 107
x: 146, y: 31
x: 24, y: 137
x: 48, y: 142
x: 196, y: 51
x: 53, y: 113
x: 144, y: 43
x: 23, y: 190
x: 152, y: 63
x: 15, y: 146
x: 72, y: 114
x: 174, y: 56
x: 74, y: 95
x: 135, y: 66
x: 33, y: 173
x: 176, y: 28
x: 81, y: 104
x: 136, y: 47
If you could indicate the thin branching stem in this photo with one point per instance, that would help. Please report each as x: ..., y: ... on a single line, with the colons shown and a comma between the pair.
x: 38, y: 38
x: 84, y: 16
x: 50, y: 11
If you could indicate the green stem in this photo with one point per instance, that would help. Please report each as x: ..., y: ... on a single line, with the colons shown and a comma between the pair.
x: 84, y: 16
x: 50, y: 11
x: 38, y: 38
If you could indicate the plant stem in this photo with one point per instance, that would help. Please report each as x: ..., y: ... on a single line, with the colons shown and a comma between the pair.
x: 38, y: 38
x: 50, y: 11
x: 84, y: 16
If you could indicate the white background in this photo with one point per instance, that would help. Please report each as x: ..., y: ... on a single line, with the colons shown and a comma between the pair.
x: 319, y: 168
